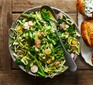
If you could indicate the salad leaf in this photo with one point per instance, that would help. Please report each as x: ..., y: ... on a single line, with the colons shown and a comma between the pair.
x: 18, y: 61
x: 45, y: 15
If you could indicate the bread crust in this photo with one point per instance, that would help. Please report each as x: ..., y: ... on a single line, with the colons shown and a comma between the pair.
x: 87, y: 32
x: 80, y: 6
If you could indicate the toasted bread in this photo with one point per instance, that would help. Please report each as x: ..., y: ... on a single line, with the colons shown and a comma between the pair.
x: 80, y: 6
x: 87, y: 32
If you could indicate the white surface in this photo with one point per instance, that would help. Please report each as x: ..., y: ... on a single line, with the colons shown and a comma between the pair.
x: 86, y: 51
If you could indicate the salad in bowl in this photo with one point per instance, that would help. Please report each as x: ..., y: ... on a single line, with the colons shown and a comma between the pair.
x: 34, y: 45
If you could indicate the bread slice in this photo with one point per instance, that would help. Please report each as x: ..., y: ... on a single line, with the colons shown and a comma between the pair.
x: 80, y: 6
x: 87, y: 32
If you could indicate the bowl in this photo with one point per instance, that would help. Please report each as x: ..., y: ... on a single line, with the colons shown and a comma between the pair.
x: 14, y: 25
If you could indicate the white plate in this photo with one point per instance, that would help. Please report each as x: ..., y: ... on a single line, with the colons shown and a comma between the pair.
x: 86, y: 51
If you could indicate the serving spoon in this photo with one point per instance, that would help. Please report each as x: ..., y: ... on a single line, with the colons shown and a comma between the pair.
x: 70, y: 62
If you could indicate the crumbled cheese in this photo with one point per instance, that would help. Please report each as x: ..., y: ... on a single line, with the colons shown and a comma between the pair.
x: 26, y: 25
x: 88, y: 7
x: 15, y: 43
x: 15, y: 55
x: 30, y: 23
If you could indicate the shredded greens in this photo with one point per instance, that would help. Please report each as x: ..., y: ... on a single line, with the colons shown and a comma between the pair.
x: 34, y: 42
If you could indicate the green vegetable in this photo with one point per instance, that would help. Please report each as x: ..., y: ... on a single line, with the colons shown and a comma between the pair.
x: 27, y: 67
x: 60, y: 21
x: 18, y: 61
x: 45, y: 15
x: 39, y: 65
x: 25, y: 15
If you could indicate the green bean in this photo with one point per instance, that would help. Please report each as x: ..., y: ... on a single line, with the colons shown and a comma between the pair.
x: 39, y: 64
x: 25, y: 15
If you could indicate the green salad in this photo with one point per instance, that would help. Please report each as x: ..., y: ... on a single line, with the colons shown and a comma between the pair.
x: 36, y: 46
